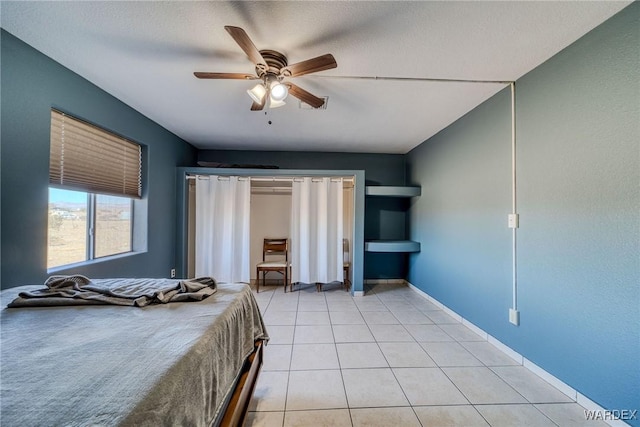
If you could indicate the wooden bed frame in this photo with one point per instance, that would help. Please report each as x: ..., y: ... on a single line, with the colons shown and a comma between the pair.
x: 238, y: 403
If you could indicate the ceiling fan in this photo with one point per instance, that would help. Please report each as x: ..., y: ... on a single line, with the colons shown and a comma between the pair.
x: 272, y: 68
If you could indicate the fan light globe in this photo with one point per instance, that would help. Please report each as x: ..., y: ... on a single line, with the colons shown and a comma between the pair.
x: 279, y: 91
x: 258, y: 93
x: 275, y: 104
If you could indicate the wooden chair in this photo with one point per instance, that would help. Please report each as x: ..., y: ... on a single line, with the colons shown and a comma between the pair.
x: 271, y: 248
x: 346, y: 264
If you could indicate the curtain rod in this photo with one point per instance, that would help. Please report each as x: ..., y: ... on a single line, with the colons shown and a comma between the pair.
x: 220, y: 177
x: 278, y: 178
x: 296, y: 178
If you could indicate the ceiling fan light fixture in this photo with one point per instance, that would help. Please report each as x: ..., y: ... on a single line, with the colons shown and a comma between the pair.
x: 278, y: 91
x: 275, y: 104
x: 258, y: 93
x: 272, y: 67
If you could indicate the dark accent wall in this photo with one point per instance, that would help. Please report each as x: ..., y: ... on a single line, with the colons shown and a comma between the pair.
x: 380, y: 169
x: 384, y: 218
x: 33, y: 83
x: 578, y: 245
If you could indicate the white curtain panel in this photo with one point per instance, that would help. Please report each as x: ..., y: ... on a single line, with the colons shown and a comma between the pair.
x: 222, y: 228
x: 316, y: 230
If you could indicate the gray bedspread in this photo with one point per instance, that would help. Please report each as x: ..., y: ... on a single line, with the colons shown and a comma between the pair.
x: 80, y: 290
x: 104, y: 365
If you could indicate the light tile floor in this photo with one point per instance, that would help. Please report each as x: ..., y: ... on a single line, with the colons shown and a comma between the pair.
x: 390, y: 358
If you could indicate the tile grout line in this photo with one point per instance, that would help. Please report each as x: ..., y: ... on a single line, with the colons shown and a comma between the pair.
x: 459, y: 342
x: 392, y: 370
x: 293, y: 339
x: 344, y: 387
x: 386, y: 358
x: 455, y: 340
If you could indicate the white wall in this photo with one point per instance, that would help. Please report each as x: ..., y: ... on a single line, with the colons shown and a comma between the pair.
x: 270, y: 218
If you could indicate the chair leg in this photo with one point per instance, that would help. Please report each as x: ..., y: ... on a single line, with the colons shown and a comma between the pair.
x: 257, y: 281
x: 290, y: 281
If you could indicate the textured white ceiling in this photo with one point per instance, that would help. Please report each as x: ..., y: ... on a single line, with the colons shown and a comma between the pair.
x: 145, y: 53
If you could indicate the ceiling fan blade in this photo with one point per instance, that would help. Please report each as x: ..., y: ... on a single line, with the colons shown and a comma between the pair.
x: 245, y: 43
x: 313, y: 65
x: 240, y: 76
x: 305, y: 96
x: 256, y: 106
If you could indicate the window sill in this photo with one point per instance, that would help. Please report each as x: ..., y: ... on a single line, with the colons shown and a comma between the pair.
x: 83, y: 264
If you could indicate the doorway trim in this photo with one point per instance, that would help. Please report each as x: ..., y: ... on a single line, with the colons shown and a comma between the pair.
x: 357, y: 247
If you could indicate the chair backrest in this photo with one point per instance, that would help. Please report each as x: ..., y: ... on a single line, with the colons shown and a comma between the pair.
x: 275, y: 247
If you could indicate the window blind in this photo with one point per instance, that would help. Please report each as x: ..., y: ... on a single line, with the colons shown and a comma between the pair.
x: 87, y: 158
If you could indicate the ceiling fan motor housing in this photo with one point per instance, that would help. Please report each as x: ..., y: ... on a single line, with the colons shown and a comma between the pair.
x: 275, y: 62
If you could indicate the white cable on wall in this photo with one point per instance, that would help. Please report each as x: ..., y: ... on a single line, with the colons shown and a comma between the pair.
x: 513, y: 197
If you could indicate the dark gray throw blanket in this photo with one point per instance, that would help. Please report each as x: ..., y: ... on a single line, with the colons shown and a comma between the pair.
x: 80, y: 290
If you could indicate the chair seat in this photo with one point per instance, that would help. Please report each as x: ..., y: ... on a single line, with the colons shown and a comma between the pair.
x: 273, y: 264
x: 278, y: 247
x: 346, y: 264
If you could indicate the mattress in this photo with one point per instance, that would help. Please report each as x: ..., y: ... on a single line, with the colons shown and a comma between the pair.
x: 169, y: 364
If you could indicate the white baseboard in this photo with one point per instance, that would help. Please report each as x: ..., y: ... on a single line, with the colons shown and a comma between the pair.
x: 564, y: 388
x: 475, y: 329
x: 554, y: 381
x: 505, y: 349
x: 590, y: 405
x: 384, y: 281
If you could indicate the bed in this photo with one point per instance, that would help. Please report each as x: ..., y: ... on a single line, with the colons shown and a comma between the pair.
x: 180, y: 364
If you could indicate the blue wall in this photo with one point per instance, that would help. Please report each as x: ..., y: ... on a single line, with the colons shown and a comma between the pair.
x: 380, y: 169
x: 578, y: 170
x: 31, y: 84
x: 385, y: 218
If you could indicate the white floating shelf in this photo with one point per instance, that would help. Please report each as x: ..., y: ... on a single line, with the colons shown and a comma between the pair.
x: 392, y: 191
x: 391, y: 246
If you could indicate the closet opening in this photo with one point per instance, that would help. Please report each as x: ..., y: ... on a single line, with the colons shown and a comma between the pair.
x: 272, y: 213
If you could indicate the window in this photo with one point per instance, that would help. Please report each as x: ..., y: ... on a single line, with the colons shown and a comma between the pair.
x: 94, y: 177
x: 85, y: 226
x: 112, y: 225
